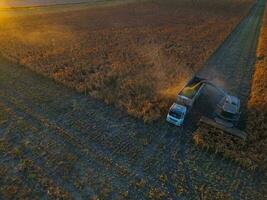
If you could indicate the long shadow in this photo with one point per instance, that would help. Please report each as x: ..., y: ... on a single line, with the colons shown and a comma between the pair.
x: 232, y: 65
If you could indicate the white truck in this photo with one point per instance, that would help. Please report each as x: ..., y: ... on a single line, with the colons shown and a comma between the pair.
x: 185, y: 101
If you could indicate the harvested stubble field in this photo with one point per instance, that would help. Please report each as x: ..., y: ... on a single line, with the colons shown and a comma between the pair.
x: 134, y: 55
x: 58, y: 144
x: 252, y: 152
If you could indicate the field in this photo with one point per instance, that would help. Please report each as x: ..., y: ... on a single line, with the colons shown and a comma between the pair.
x: 57, y: 143
x: 252, y: 152
x: 136, y: 55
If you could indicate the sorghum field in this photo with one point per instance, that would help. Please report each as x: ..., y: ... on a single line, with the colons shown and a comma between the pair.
x: 136, y: 55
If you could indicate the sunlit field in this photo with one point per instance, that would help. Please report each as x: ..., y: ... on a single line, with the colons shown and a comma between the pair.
x: 29, y: 3
x: 136, y: 55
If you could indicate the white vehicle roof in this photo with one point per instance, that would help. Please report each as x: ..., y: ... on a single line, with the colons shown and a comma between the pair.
x: 178, y: 108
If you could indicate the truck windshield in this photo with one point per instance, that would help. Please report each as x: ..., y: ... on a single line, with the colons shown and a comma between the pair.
x: 176, y: 115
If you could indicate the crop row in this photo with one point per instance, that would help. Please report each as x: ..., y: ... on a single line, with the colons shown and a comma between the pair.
x: 28, y: 172
x: 118, y: 144
x: 52, y: 157
x: 108, y: 162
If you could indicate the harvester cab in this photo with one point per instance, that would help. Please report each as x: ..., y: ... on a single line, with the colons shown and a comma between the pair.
x: 228, y: 111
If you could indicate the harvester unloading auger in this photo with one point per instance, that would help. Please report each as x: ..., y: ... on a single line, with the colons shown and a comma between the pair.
x: 226, y: 115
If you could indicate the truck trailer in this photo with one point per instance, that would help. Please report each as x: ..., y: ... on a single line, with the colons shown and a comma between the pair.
x: 185, y: 101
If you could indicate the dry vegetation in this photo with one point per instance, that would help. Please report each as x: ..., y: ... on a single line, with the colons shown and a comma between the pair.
x: 252, y: 152
x: 135, y: 56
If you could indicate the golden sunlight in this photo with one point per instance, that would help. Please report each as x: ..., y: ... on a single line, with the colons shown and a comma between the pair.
x: 4, y: 4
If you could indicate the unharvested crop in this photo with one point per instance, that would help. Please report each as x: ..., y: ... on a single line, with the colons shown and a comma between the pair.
x: 136, y: 56
x: 252, y: 152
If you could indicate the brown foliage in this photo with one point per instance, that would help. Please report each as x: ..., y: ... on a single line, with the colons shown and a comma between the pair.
x: 133, y: 55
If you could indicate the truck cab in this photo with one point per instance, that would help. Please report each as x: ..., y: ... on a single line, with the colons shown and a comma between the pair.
x: 176, y: 114
x: 185, y: 100
x: 228, y: 111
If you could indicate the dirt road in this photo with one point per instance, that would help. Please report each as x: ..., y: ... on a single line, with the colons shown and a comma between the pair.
x: 89, y: 149
x: 232, y: 64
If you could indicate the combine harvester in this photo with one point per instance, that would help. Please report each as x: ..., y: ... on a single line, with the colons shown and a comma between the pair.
x: 226, y: 115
